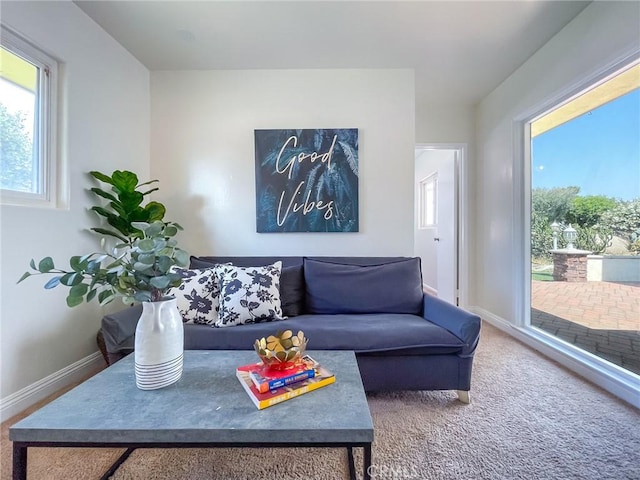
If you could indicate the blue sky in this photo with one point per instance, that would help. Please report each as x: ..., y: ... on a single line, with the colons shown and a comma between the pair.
x: 598, y: 151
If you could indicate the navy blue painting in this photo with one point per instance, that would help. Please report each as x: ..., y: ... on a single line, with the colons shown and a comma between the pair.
x: 307, y: 180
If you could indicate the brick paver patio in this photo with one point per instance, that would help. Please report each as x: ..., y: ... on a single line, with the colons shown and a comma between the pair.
x: 600, y: 317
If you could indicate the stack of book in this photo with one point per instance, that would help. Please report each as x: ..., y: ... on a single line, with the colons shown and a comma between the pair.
x: 267, y: 387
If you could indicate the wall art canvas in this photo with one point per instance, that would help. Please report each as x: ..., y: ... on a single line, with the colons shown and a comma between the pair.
x: 307, y: 180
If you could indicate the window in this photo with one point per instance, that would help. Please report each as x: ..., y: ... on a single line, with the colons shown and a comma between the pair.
x: 27, y: 123
x: 428, y: 188
x: 585, y: 219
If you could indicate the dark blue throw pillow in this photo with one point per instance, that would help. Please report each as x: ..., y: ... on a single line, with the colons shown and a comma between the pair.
x: 292, y: 291
x: 394, y: 287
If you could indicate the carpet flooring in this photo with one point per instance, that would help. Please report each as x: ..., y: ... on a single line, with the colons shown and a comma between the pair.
x: 529, y: 419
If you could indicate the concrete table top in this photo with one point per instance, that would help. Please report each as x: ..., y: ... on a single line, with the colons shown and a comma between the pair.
x: 207, y: 405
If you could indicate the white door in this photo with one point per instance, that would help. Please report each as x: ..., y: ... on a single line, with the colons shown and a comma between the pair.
x: 435, y: 240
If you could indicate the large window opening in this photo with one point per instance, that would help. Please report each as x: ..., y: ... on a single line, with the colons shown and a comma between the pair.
x: 27, y: 123
x: 585, y: 221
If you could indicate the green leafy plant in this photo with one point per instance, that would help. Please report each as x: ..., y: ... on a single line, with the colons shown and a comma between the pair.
x: 125, y: 205
x: 137, y: 269
x: 596, y: 238
x: 553, y: 204
x: 624, y: 220
x: 587, y: 211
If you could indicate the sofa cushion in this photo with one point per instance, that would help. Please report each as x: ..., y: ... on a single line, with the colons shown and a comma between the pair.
x: 292, y: 291
x: 410, y: 334
x: 391, y: 287
x: 249, y: 294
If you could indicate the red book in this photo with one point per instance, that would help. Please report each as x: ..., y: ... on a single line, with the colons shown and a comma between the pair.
x: 265, y: 378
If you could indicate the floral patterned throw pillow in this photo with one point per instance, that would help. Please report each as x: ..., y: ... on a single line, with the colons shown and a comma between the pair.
x: 197, y: 297
x: 249, y: 294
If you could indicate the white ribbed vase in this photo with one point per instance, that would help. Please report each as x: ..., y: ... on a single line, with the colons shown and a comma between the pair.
x: 159, y: 345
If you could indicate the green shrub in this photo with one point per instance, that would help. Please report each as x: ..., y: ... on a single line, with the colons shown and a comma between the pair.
x: 541, y: 236
x: 623, y: 219
x: 553, y: 204
x: 595, y: 238
x: 587, y: 211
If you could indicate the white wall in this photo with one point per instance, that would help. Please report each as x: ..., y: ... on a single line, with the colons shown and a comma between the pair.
x: 455, y: 125
x: 444, y: 124
x: 202, y: 150
x: 601, y: 35
x: 104, y: 125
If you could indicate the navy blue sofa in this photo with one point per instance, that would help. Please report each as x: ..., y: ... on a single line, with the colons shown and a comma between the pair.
x: 403, y: 338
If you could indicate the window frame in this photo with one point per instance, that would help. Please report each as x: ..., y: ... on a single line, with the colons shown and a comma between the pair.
x: 621, y: 383
x: 45, y: 139
x: 424, y: 208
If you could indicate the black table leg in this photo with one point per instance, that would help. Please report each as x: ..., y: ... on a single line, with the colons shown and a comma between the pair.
x: 19, y: 461
x: 352, y: 466
x: 117, y: 463
x: 367, y: 462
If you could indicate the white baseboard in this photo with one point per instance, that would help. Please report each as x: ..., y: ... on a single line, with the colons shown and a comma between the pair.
x: 31, y: 394
x: 617, y: 381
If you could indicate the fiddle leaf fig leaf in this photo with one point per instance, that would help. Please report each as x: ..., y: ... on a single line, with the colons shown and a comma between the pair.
x: 130, y: 200
x: 103, y: 194
x: 124, y: 181
x: 102, y: 177
x: 148, y: 191
x: 110, y: 233
x: 155, y: 210
x: 148, y: 183
x: 102, y: 211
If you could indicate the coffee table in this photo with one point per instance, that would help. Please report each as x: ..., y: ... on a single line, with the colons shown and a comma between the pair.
x: 207, y: 407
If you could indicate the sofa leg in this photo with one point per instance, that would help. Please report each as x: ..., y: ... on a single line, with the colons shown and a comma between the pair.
x: 463, y: 396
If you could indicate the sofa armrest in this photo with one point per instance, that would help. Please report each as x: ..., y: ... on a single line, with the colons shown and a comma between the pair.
x: 119, y: 328
x: 463, y: 324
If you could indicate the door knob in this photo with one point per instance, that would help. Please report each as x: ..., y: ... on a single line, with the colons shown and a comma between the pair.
x: 436, y: 239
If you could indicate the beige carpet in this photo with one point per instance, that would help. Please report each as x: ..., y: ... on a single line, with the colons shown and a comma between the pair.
x: 530, y: 419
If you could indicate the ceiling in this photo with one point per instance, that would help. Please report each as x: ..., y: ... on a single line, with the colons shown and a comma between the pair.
x: 460, y: 50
